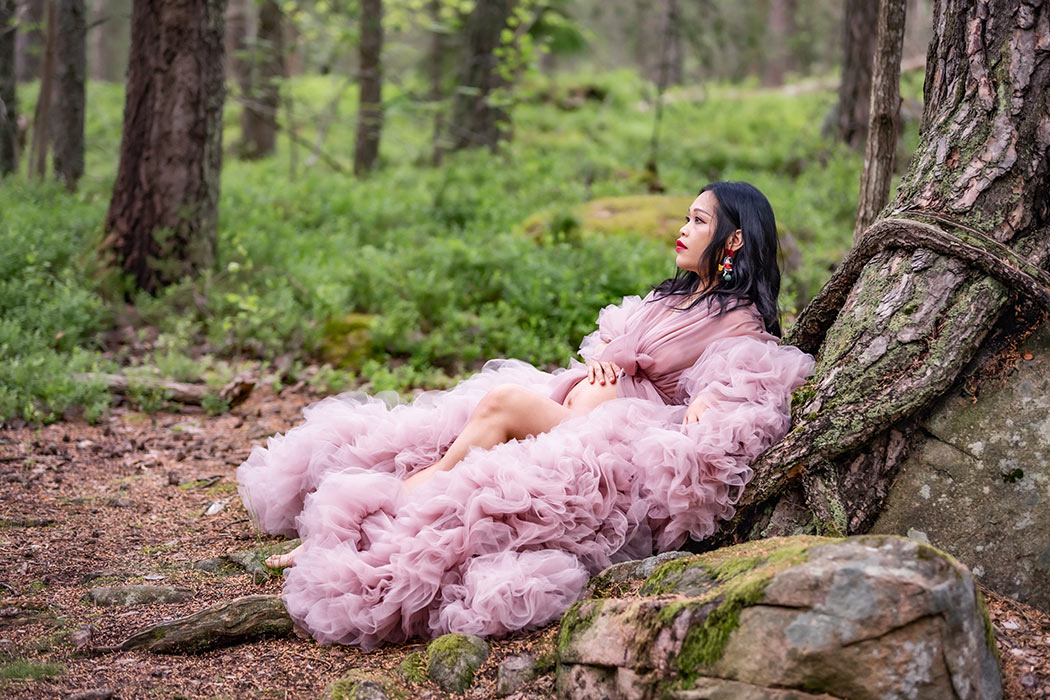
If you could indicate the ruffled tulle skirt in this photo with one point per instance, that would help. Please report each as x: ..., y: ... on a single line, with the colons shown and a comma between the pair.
x: 507, y: 539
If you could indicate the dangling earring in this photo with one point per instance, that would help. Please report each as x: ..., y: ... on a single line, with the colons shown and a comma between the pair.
x: 726, y: 268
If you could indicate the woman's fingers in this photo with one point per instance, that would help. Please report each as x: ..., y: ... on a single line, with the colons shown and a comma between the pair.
x: 602, y: 371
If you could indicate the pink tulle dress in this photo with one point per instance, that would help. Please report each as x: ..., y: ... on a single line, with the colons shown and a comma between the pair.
x: 507, y: 539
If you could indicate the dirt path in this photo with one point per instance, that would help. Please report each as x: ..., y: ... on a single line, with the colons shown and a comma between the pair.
x: 140, y: 498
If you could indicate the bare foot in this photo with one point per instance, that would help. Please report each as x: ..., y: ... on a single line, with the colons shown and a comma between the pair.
x: 281, y: 561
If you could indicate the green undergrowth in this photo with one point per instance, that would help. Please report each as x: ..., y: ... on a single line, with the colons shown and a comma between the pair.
x: 414, y: 276
x: 24, y: 670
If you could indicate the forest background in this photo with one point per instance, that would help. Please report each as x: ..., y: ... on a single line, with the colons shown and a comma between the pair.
x: 435, y: 257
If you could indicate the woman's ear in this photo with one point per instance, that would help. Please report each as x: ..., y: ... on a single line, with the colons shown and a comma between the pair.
x: 736, y: 240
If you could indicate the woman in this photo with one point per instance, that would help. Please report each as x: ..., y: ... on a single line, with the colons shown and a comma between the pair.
x: 484, y: 509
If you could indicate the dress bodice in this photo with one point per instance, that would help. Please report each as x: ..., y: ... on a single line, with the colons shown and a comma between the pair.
x: 654, y: 343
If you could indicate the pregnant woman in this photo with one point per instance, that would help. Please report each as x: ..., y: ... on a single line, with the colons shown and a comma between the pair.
x: 484, y: 509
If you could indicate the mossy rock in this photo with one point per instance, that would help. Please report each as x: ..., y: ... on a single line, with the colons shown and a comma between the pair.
x: 347, y: 340
x: 453, y: 659
x: 845, y: 617
x: 413, y: 667
x: 363, y: 685
x: 252, y: 561
x: 656, y: 216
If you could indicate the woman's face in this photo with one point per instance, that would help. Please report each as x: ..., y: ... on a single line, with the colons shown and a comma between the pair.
x: 696, y: 235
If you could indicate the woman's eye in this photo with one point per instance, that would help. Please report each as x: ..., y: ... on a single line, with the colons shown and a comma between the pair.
x: 697, y: 219
x: 687, y: 219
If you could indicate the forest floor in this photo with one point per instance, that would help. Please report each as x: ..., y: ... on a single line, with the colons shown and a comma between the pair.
x: 140, y: 498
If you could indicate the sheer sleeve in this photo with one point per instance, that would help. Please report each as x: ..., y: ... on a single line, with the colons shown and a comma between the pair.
x: 745, y: 369
x: 747, y: 384
x: 612, y: 322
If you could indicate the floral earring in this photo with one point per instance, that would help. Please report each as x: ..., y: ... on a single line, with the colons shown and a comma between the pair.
x: 726, y: 268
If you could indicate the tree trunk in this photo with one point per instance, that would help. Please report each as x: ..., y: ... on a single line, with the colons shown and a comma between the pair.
x: 8, y: 104
x: 162, y: 218
x: 884, y: 117
x: 67, y: 128
x: 236, y: 43
x: 108, y: 37
x: 476, y: 120
x: 435, y: 71
x: 262, y: 90
x: 673, y: 57
x: 929, y: 292
x: 29, y: 40
x: 858, y: 36
x: 42, y: 113
x: 781, y: 27
x: 370, y: 80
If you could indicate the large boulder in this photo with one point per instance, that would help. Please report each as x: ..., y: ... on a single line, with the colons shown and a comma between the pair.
x: 788, y: 618
x: 978, y: 483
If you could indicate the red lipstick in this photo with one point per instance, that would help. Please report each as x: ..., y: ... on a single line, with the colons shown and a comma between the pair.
x: 678, y: 245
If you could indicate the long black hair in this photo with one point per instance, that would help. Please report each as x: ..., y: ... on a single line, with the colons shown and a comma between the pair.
x: 755, y: 278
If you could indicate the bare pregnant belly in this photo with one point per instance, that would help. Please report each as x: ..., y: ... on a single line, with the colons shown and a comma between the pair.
x: 585, y: 396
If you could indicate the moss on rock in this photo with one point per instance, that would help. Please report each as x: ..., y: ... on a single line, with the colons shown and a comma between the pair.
x: 740, y: 575
x: 363, y: 685
x: 452, y: 660
x: 413, y: 667
x: 576, y: 619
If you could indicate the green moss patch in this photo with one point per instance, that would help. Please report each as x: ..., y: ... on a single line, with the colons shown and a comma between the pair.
x: 358, y: 685
x: 414, y: 667
x: 740, y: 575
x: 22, y: 670
x: 654, y: 216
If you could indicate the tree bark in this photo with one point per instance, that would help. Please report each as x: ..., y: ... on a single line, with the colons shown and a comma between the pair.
x: 262, y: 88
x: 8, y: 103
x: 476, y: 120
x: 930, y: 289
x: 41, y: 140
x: 240, y: 620
x: 67, y: 129
x: 370, y: 81
x: 162, y: 219
x: 858, y: 37
x: 29, y: 40
x: 884, y: 116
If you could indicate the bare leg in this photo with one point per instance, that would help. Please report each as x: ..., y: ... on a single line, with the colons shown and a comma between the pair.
x: 505, y: 413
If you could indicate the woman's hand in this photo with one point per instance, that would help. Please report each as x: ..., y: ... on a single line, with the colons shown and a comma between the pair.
x: 602, y: 372
x: 694, y: 411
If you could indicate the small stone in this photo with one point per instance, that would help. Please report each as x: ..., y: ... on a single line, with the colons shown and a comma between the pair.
x: 138, y: 594
x: 92, y: 694
x: 215, y: 507
x: 82, y: 636
x: 514, y: 672
x: 356, y: 686
x: 1010, y: 625
x: 154, y: 577
x: 452, y: 660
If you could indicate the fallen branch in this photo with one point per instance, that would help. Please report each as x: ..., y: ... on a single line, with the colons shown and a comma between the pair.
x: 240, y: 620
x: 234, y: 393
